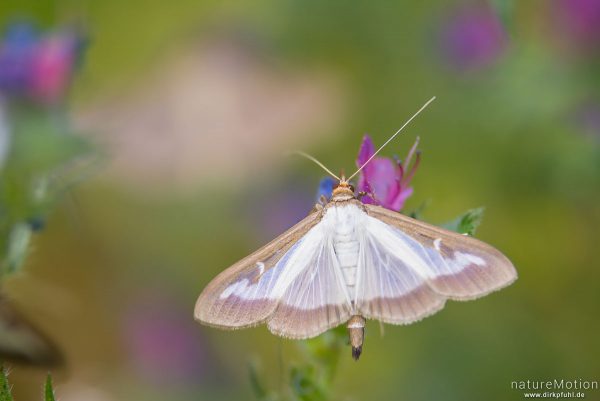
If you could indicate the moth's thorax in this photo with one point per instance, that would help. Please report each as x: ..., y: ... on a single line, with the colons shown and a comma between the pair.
x: 344, y: 199
x: 342, y: 193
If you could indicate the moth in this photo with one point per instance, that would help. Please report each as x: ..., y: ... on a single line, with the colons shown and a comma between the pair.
x: 347, y: 262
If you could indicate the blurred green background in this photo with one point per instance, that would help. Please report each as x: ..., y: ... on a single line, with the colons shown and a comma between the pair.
x: 192, y: 104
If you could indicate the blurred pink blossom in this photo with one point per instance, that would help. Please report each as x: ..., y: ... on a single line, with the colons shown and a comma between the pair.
x: 472, y: 37
x: 35, y: 66
x: 52, y: 66
x: 578, y: 21
x: 386, y: 182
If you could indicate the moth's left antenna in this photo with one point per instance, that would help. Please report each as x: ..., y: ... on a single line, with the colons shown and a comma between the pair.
x: 392, y: 137
x: 318, y: 163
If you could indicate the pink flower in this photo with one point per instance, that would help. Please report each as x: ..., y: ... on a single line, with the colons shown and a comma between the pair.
x: 52, y: 66
x: 577, y: 23
x: 36, y: 66
x: 384, y: 181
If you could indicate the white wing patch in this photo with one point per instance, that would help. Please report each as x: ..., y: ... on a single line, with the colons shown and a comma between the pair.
x: 462, y: 260
x: 261, y: 267
x: 238, y: 288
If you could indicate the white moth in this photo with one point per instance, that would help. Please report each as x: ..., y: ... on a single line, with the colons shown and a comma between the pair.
x: 347, y: 262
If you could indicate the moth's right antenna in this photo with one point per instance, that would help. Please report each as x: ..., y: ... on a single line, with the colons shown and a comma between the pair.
x: 392, y: 137
x: 309, y: 157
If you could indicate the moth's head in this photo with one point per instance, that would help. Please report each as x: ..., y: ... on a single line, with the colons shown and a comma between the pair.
x: 343, y: 190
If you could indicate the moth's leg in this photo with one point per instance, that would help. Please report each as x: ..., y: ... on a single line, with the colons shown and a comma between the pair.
x: 322, y: 202
x: 370, y: 194
x: 316, y: 208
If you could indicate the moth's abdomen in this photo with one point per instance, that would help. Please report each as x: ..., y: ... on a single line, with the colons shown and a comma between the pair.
x: 356, y: 334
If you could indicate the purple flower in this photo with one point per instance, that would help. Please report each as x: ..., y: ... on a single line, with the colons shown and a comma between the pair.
x: 579, y: 22
x: 17, y: 50
x: 35, y: 66
x: 472, y: 38
x: 385, y: 182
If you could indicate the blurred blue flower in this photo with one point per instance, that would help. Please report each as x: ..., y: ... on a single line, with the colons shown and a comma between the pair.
x: 472, y: 37
x: 37, y: 67
x: 386, y: 182
x: 579, y: 21
x: 325, y: 188
x: 285, y: 205
x: 17, y: 51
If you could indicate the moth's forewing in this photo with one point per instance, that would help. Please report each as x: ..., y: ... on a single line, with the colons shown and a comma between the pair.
x: 239, y: 296
x: 460, y: 267
x: 22, y: 342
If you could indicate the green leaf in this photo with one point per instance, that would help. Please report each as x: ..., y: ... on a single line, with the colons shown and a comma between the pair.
x: 325, y: 351
x: 418, y: 212
x: 5, y: 394
x: 18, y: 243
x: 305, y: 383
x: 467, y: 222
x: 505, y: 10
x: 256, y: 382
x: 48, y: 390
x: 41, y: 144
